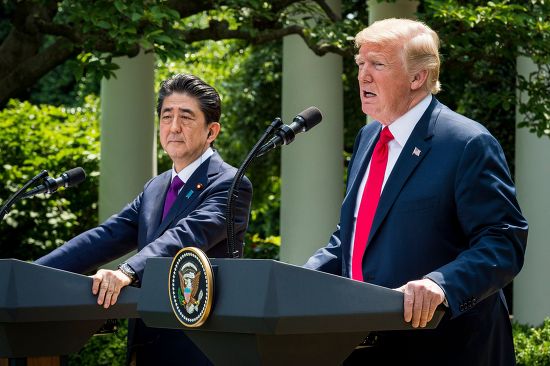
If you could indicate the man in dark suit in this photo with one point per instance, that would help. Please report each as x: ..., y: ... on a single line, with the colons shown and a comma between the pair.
x: 184, y: 206
x: 430, y: 209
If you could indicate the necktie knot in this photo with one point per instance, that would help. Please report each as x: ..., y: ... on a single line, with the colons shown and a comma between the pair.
x: 385, y: 136
x: 176, y: 185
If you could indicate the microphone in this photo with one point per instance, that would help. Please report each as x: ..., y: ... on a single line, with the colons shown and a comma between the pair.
x: 303, y: 122
x: 70, y: 178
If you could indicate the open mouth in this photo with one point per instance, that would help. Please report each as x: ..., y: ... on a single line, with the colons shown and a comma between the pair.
x: 368, y: 94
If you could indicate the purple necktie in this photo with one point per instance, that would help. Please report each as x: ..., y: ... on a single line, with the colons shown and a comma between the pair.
x: 172, y: 195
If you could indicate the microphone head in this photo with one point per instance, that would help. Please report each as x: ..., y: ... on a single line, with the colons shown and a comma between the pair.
x: 75, y: 176
x: 311, y: 117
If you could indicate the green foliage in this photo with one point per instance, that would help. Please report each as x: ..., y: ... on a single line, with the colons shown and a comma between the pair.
x: 33, y: 138
x: 60, y: 88
x: 480, y: 43
x: 107, y: 349
x: 125, y: 24
x: 532, y: 344
x: 262, y: 248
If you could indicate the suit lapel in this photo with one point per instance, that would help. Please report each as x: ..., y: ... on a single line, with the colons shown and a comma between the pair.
x: 364, y: 152
x: 158, y: 199
x: 190, y: 192
x: 417, y: 147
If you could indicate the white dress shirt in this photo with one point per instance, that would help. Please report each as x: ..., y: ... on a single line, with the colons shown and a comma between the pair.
x: 186, y: 172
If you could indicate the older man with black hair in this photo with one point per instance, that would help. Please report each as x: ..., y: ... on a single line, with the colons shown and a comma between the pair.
x: 184, y: 206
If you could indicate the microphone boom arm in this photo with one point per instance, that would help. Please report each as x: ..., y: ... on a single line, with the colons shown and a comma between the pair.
x: 17, y: 195
x: 233, y: 192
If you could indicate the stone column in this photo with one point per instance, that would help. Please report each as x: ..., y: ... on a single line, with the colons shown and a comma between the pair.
x: 312, y: 166
x: 128, y: 138
x: 531, y: 299
x: 396, y: 9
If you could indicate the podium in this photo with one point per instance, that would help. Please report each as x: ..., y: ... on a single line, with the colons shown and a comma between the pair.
x: 265, y: 312
x: 47, y: 312
x: 272, y: 313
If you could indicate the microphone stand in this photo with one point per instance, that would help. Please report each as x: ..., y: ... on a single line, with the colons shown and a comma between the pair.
x: 6, y: 207
x: 233, y: 193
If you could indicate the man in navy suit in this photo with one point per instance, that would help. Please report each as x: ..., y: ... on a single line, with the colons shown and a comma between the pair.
x: 430, y: 209
x: 184, y: 206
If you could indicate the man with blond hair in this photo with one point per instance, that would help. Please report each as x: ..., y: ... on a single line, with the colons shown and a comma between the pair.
x: 430, y: 209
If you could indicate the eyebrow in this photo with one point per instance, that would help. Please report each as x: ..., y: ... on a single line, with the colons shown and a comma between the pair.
x: 183, y: 110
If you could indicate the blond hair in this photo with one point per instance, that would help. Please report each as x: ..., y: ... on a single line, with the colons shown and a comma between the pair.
x: 419, y: 45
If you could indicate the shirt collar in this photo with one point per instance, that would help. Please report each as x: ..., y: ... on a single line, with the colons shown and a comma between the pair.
x: 402, y: 127
x: 186, y: 172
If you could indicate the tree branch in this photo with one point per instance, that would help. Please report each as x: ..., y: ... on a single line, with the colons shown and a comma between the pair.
x: 328, y: 10
x: 188, y: 8
x: 33, y: 68
x: 60, y: 30
x: 220, y: 30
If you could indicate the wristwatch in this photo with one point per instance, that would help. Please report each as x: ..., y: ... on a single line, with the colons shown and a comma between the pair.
x: 128, y: 271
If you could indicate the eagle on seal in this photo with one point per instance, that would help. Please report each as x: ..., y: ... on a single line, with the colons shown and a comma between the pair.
x: 189, y: 283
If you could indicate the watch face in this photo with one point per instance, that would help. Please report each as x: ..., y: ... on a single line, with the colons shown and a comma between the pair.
x: 128, y: 271
x: 191, y: 286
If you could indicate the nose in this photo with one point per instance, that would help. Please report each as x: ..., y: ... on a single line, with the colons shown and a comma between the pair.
x: 175, y: 126
x: 364, y: 75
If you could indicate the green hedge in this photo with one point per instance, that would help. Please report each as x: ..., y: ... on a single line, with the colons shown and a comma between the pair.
x: 532, y: 344
x: 106, y: 349
x: 33, y: 138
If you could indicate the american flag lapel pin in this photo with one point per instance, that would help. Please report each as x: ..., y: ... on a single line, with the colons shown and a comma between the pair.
x: 416, y: 151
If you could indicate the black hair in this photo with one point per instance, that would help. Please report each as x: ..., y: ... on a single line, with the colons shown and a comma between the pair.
x: 206, y: 95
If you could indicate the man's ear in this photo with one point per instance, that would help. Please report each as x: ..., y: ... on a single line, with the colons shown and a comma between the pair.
x: 213, y: 131
x: 419, y: 79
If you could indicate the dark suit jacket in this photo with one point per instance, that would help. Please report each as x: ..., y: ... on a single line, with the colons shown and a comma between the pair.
x: 449, y: 214
x: 197, y: 218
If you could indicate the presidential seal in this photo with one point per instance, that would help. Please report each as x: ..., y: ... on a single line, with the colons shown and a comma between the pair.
x: 191, y: 286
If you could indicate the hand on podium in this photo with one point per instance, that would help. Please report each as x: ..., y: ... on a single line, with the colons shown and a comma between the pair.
x: 107, y: 285
x: 420, y: 301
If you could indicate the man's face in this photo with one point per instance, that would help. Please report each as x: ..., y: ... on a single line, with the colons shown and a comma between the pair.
x: 384, y: 85
x: 183, y: 129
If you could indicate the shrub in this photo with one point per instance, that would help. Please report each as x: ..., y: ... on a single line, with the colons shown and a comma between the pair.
x: 33, y: 138
x: 106, y: 349
x: 532, y: 344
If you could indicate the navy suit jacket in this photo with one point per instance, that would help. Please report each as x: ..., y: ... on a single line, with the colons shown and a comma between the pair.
x: 197, y: 218
x: 449, y: 214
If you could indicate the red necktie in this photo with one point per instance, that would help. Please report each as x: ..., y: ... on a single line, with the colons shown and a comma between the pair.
x: 172, y: 194
x: 369, y: 202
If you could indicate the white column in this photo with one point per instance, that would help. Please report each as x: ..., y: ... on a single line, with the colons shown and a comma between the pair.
x: 531, y: 295
x: 312, y: 166
x: 128, y: 134
x: 128, y: 139
x: 396, y: 9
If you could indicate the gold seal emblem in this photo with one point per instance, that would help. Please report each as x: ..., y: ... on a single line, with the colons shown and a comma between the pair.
x: 191, y: 286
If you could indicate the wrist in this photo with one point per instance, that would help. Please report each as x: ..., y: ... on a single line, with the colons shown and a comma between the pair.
x: 128, y: 272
